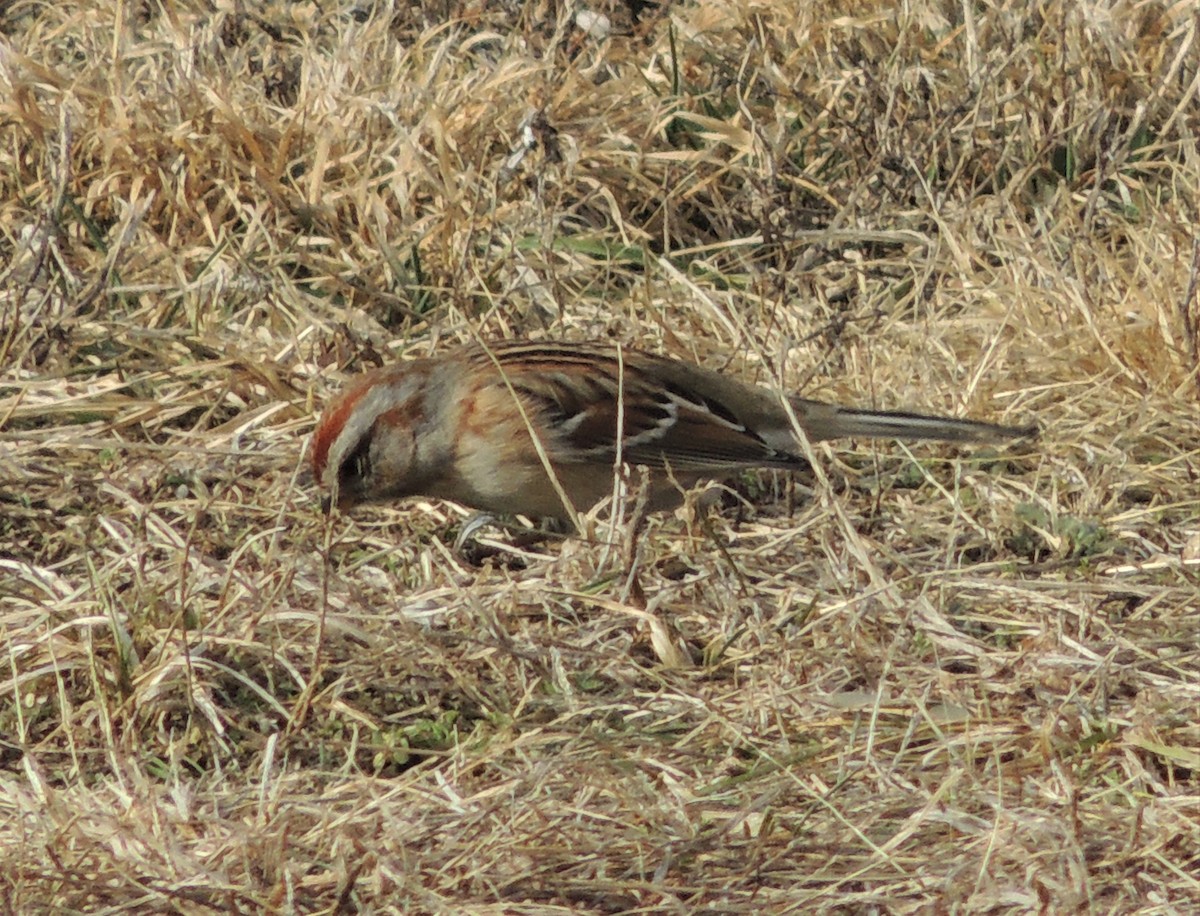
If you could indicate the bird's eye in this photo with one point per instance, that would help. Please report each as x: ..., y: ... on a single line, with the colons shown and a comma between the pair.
x: 356, y: 465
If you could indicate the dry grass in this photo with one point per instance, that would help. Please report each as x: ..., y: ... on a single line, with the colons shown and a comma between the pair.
x: 924, y: 680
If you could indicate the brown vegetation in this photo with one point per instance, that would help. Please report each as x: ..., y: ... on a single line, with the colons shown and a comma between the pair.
x: 933, y: 678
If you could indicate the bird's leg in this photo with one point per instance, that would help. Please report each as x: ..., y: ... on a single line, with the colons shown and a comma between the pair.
x: 474, y: 552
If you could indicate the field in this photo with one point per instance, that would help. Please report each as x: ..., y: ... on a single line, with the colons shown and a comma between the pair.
x: 922, y: 678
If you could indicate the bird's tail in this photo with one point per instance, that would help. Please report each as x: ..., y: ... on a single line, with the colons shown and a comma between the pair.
x: 828, y: 421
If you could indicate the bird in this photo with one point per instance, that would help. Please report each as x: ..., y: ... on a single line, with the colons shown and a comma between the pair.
x: 530, y: 428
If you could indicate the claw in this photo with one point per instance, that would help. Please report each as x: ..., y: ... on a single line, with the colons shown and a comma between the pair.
x: 470, y: 526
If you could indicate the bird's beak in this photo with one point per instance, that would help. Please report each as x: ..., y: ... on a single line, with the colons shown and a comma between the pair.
x: 333, y: 499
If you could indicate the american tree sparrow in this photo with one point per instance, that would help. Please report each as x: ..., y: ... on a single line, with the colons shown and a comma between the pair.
x: 515, y: 427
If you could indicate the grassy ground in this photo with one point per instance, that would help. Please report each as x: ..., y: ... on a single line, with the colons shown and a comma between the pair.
x: 924, y: 679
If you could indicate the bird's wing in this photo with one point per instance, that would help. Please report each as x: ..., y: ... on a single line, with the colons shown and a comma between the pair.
x: 581, y: 393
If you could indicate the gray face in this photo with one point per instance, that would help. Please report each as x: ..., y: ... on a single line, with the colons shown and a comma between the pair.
x: 374, y: 454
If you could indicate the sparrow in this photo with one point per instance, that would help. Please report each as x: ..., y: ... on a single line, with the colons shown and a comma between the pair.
x: 524, y: 427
